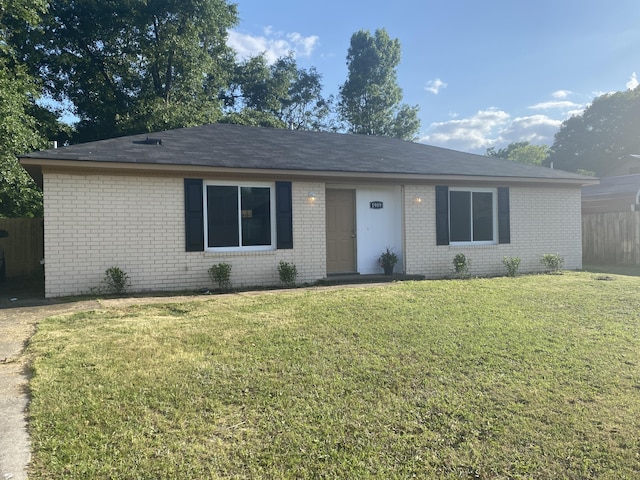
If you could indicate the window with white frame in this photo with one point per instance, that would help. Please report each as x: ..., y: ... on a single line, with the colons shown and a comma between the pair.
x: 239, y: 216
x: 472, y: 216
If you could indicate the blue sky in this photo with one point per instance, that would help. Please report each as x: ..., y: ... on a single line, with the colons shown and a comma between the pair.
x: 484, y: 73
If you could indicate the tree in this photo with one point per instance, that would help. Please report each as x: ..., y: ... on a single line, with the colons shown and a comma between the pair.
x: 305, y: 108
x: 370, y: 98
x: 291, y: 96
x: 130, y: 67
x: 605, y: 135
x: 19, y: 195
x: 253, y: 118
x: 521, y: 152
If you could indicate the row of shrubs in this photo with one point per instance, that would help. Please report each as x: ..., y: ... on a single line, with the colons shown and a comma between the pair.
x: 117, y: 281
x: 552, y: 263
x: 220, y: 274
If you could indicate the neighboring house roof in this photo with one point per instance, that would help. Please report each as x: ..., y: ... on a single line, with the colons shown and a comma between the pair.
x: 629, y: 165
x: 225, y: 146
x: 613, y: 194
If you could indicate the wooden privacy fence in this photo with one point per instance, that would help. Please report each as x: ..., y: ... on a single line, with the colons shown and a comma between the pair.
x: 24, y: 247
x: 611, y: 238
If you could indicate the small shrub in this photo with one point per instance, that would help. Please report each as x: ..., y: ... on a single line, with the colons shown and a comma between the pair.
x: 116, y: 280
x: 388, y: 260
x: 512, y: 264
x: 461, y: 265
x: 220, y: 274
x: 552, y: 262
x: 288, y: 273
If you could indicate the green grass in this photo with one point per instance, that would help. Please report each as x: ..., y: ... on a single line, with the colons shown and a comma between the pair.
x: 616, y: 269
x: 527, y: 377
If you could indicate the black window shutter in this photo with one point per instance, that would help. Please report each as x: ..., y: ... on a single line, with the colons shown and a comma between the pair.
x: 284, y: 216
x: 193, y: 215
x: 442, y: 215
x: 504, y: 228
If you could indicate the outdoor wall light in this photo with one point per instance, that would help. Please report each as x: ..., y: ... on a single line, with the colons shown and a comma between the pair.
x: 418, y: 199
x: 311, y: 197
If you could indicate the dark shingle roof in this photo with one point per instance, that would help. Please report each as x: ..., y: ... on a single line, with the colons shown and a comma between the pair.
x: 624, y: 184
x: 236, y: 146
x: 613, y: 194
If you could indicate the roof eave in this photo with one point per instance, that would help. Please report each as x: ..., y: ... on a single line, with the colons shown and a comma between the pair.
x: 35, y: 166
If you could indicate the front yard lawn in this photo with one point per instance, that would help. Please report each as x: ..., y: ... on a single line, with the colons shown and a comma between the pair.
x: 527, y: 377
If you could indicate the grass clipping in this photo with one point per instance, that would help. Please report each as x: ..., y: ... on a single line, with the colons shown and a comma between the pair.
x: 533, y: 377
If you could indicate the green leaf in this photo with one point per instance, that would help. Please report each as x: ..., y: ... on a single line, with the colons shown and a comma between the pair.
x: 370, y: 98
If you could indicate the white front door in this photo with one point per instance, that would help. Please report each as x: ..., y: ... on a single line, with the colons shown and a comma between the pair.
x: 379, y: 225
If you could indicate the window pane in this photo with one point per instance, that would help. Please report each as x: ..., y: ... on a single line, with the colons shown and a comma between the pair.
x: 256, y: 216
x: 482, y: 216
x: 222, y: 216
x: 460, y: 216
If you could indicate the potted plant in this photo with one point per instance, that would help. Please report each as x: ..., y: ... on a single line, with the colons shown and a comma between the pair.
x: 387, y: 261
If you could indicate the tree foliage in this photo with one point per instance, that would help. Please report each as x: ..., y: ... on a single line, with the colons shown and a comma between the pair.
x: 19, y: 195
x: 521, y: 152
x: 370, y: 99
x: 144, y: 66
x: 290, y: 96
x: 605, y: 135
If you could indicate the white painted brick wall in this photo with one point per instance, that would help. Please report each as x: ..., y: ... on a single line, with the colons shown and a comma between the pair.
x: 93, y: 222
x: 543, y: 220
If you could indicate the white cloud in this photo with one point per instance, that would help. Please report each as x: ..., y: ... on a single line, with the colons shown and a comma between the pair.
x: 633, y: 82
x: 434, y: 86
x: 559, y: 94
x: 575, y: 113
x: 497, y: 128
x: 304, y: 46
x: 475, y: 133
x: 559, y: 104
x: 491, y: 128
x: 535, y: 129
x: 272, y: 44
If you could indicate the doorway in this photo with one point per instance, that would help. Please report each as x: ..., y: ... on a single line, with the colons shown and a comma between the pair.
x: 341, y: 231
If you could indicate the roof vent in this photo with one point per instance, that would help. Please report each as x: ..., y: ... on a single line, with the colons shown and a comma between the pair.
x: 150, y: 141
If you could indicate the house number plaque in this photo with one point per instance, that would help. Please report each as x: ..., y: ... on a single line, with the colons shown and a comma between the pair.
x: 377, y: 205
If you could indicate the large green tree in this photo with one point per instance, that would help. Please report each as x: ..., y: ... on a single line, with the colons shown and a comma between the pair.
x: 602, y: 137
x: 281, y: 95
x: 521, y: 152
x: 130, y: 66
x: 370, y: 99
x: 19, y: 196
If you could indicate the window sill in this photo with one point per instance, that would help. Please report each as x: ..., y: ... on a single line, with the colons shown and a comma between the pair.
x: 239, y: 253
x: 472, y: 245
